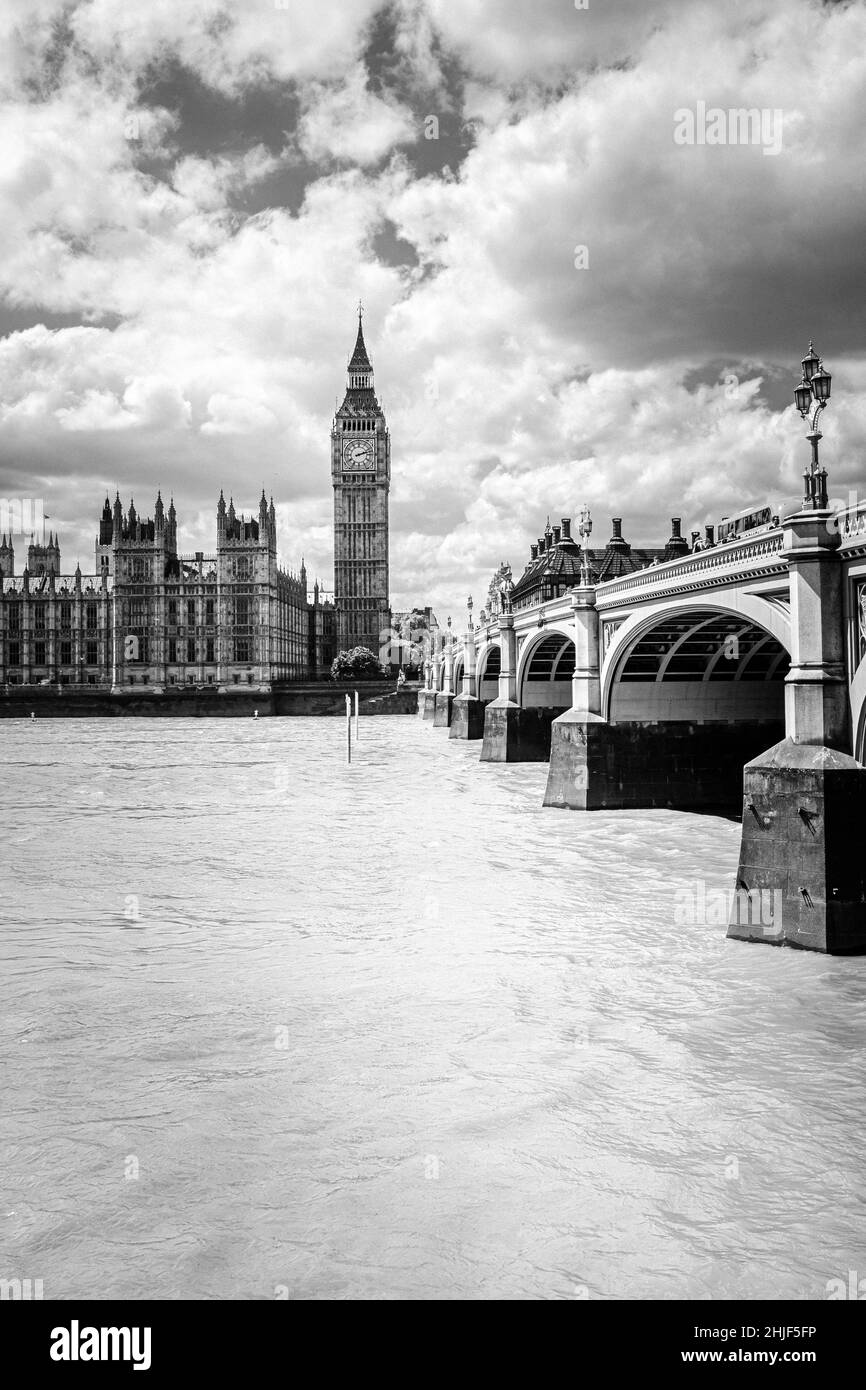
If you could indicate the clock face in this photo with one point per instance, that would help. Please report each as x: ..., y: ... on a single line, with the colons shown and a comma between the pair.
x: 358, y: 453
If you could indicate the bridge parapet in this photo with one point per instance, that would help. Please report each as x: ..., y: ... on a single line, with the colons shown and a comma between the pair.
x: 852, y: 525
x: 719, y: 564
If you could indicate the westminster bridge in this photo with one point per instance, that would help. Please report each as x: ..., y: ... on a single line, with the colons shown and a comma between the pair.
x: 731, y: 677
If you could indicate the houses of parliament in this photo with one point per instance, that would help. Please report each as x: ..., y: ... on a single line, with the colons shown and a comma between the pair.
x: 149, y: 618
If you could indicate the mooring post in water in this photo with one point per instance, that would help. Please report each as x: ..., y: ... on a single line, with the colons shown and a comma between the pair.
x: 357, y: 730
x: 348, y: 728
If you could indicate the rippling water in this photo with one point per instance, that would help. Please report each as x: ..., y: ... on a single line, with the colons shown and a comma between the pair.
x: 395, y: 1031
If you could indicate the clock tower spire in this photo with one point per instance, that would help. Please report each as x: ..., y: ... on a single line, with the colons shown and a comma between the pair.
x: 361, y: 475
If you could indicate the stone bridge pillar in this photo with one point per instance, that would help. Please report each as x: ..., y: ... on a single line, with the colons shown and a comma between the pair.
x: 427, y: 696
x: 445, y: 696
x: 579, y: 762
x: 467, y: 713
x: 502, y: 728
x: 470, y: 662
x: 801, y: 879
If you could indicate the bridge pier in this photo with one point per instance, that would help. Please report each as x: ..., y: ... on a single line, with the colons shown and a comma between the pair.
x: 442, y: 709
x: 426, y: 703
x: 467, y: 717
x: 427, y: 697
x: 445, y: 696
x: 579, y: 775
x: 467, y: 711
x: 672, y: 765
x: 801, y: 879
x: 512, y: 734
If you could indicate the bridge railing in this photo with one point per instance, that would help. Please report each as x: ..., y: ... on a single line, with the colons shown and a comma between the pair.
x: 763, y: 550
x: 852, y: 522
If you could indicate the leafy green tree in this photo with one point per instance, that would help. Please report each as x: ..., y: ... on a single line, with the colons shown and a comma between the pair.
x: 359, y: 664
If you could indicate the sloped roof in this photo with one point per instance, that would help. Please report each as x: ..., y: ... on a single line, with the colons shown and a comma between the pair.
x: 561, y: 565
x: 359, y: 361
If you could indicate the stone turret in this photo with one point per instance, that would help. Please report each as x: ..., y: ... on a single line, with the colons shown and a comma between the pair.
x: 44, y: 559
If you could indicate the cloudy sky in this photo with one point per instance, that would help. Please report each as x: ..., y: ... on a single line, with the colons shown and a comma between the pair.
x: 564, y: 304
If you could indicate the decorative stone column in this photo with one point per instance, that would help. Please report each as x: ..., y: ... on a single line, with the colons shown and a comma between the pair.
x: 467, y: 713
x: 801, y: 879
x: 427, y: 696
x: 579, y: 739
x: 502, y: 716
x: 445, y: 696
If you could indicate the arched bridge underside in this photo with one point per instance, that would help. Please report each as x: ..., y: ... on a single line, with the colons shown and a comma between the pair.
x: 547, y: 669
x: 489, y: 667
x: 703, y: 666
x: 688, y: 697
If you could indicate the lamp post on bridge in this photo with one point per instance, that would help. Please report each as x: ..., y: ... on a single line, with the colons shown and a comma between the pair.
x: 804, y: 799
x: 811, y: 397
x: 584, y: 529
x: 469, y: 656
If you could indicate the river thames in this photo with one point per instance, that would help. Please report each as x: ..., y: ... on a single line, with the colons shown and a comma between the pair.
x: 275, y: 1027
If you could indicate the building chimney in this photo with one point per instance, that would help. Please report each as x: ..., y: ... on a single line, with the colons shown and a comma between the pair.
x: 533, y: 551
x: 557, y: 535
x: 710, y: 538
x: 696, y: 535
x: 676, y: 528
x: 566, y: 528
x: 617, y: 528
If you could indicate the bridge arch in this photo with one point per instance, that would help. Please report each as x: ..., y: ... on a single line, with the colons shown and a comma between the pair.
x: 489, y: 665
x: 698, y: 659
x: 545, y: 667
x: 457, y: 672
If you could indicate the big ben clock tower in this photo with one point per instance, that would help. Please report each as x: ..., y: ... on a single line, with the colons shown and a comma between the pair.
x: 361, y: 474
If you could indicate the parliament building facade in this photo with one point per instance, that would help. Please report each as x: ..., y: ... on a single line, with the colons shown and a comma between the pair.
x: 150, y: 618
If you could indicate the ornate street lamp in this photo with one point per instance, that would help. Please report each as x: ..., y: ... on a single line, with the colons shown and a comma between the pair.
x: 469, y: 610
x: 810, y: 398
x: 584, y: 528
